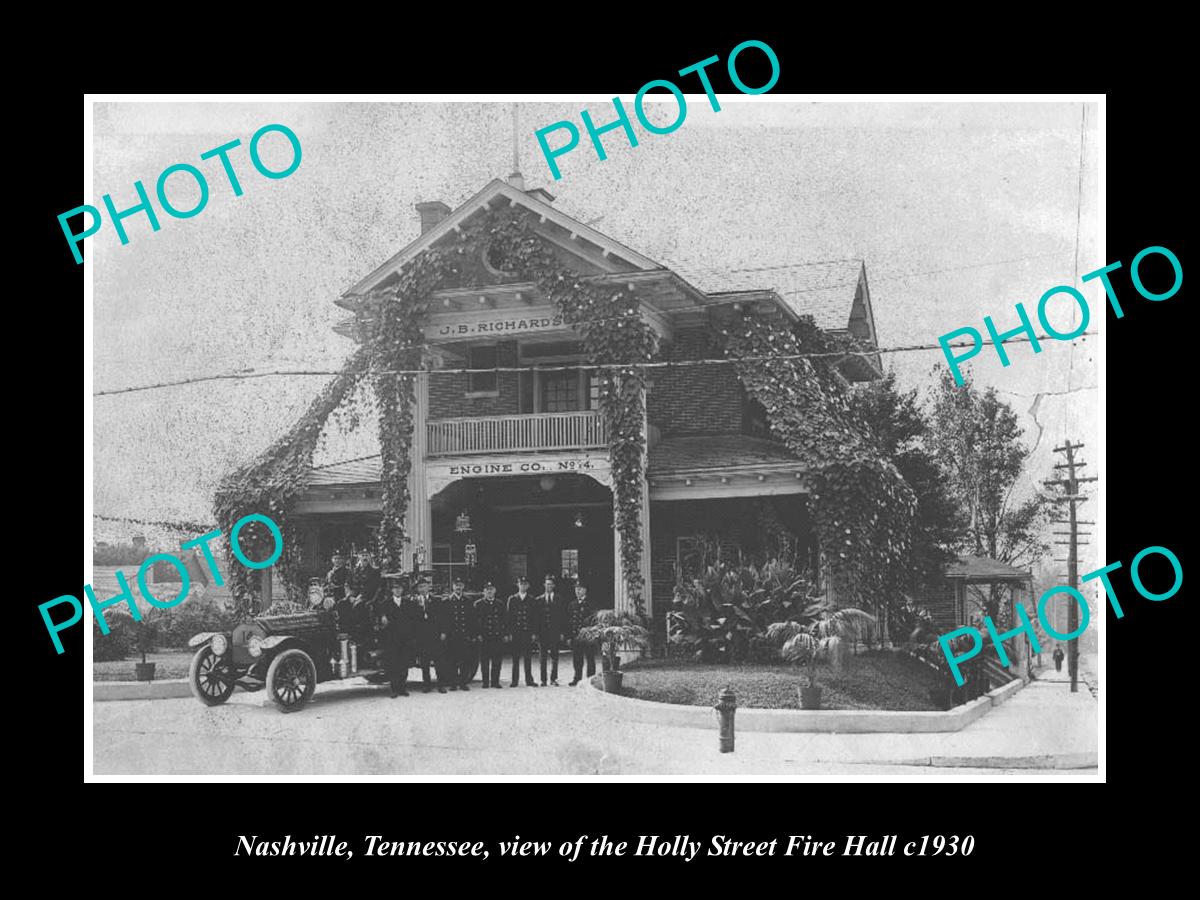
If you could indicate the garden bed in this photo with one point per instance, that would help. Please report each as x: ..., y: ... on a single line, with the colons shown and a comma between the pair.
x: 169, y: 664
x: 884, y: 680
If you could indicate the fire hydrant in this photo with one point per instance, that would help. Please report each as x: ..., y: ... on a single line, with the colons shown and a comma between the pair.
x: 726, y: 707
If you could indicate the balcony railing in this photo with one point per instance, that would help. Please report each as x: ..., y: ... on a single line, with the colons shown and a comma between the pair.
x: 496, y: 434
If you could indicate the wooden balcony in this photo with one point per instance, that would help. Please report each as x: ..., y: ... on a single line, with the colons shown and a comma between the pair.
x: 502, y: 434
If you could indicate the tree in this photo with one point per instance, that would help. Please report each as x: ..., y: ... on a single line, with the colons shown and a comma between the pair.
x: 903, y: 433
x: 977, y: 440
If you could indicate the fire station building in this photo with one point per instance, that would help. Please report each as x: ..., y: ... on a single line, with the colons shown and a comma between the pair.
x: 510, y: 470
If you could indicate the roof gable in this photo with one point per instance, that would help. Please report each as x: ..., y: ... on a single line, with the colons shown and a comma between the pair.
x: 500, y: 191
x: 827, y: 291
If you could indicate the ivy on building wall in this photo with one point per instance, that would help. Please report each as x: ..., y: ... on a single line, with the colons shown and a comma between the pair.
x: 272, y: 482
x: 862, y: 509
x: 614, y: 334
x: 391, y: 320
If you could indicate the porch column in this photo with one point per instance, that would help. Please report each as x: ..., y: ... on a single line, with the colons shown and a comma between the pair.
x: 622, y: 602
x: 418, y: 521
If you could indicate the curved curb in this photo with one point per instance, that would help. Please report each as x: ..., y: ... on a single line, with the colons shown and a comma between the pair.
x: 169, y: 689
x: 833, y: 721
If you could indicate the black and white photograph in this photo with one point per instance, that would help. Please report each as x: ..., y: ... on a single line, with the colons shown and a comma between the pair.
x: 697, y: 436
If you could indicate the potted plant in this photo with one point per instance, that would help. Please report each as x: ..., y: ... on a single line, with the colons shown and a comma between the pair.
x: 818, y: 636
x: 146, y: 633
x: 611, y: 631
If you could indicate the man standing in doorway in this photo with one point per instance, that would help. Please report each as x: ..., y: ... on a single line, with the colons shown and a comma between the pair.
x: 552, y: 622
x: 579, y: 615
x: 521, y: 626
x: 458, y: 618
x: 489, y: 618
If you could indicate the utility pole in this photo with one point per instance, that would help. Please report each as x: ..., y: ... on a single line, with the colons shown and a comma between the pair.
x: 1072, y: 497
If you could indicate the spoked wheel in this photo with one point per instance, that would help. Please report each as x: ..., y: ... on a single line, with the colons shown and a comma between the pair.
x: 291, y: 680
x: 205, y: 675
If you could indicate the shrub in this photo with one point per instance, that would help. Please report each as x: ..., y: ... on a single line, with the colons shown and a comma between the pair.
x: 975, y: 680
x: 119, y: 641
x: 718, y: 615
x: 763, y: 650
x: 179, y: 624
x: 910, y: 623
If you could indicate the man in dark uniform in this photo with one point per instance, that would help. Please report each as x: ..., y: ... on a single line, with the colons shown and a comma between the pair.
x: 489, y: 619
x: 579, y: 614
x: 552, y: 622
x: 401, y: 620
x: 521, y: 621
x: 337, y: 578
x: 431, y: 640
x: 458, y: 622
x: 366, y: 581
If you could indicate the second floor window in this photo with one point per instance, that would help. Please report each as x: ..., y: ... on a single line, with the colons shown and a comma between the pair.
x: 482, y: 357
x: 560, y: 391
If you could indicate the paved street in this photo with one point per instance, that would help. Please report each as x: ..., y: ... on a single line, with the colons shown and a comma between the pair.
x: 554, y: 731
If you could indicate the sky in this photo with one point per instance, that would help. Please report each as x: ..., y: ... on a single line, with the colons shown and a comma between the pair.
x: 959, y: 210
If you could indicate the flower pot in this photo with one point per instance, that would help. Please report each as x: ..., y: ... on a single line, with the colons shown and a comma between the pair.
x: 612, y: 681
x: 810, y: 698
x: 143, y: 671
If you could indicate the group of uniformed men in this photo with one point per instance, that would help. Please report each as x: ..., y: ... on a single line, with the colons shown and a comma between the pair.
x: 454, y: 633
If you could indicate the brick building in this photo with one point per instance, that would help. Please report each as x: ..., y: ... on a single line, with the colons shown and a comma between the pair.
x: 521, y: 456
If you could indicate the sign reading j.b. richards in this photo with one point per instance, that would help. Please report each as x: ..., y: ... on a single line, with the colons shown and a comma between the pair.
x: 493, y: 327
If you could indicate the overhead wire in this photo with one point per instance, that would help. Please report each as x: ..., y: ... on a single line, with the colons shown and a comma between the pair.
x: 572, y: 367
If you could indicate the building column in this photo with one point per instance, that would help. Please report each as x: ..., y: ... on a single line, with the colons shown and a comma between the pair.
x: 418, y: 519
x: 622, y: 602
x: 647, y: 593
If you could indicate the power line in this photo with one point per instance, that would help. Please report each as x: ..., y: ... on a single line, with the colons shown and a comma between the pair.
x: 1086, y: 387
x: 622, y: 366
x: 185, y: 527
x: 902, y: 275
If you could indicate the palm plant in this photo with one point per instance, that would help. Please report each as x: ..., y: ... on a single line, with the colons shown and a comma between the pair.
x: 820, y: 632
x: 611, y: 631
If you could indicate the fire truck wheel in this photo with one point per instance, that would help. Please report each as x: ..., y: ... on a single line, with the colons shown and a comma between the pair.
x: 291, y: 680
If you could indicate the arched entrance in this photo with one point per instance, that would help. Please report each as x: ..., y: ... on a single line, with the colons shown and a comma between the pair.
x: 557, y: 523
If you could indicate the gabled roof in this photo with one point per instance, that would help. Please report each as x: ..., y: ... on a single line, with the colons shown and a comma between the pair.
x: 984, y: 569
x: 833, y: 292
x: 824, y: 290
x: 491, y: 191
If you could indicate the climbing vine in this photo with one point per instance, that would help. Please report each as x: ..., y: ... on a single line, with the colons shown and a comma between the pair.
x: 271, y: 483
x: 613, y: 332
x: 862, y: 508
x: 391, y: 320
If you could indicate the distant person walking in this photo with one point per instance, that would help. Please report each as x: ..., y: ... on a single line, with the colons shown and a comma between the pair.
x: 1058, y: 658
